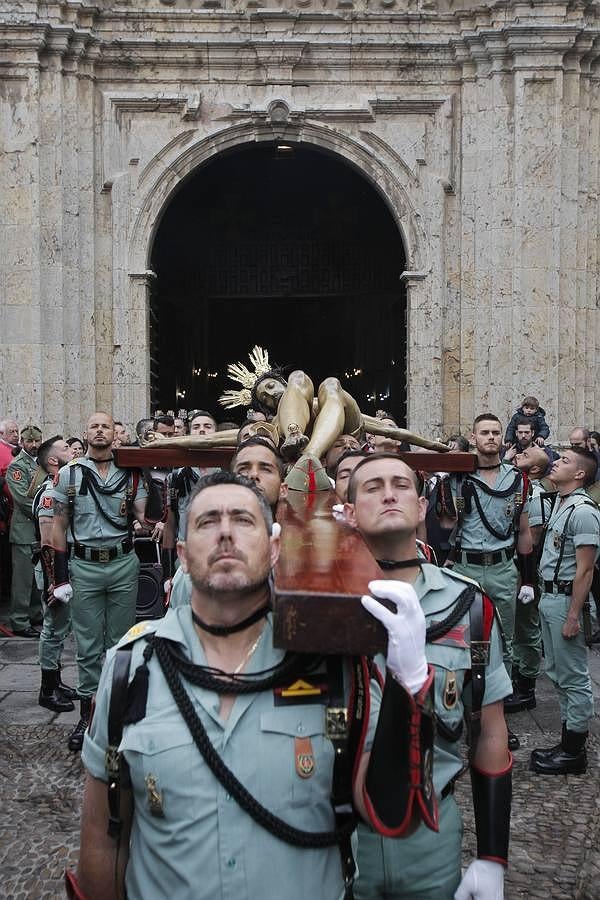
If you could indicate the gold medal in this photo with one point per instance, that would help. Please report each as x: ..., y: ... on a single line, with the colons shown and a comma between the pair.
x: 450, y: 691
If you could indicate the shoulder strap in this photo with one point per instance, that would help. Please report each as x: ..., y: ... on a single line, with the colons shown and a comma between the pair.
x: 116, y: 766
x: 563, y: 537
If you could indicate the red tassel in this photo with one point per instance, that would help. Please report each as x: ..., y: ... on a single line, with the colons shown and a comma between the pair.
x: 312, y: 481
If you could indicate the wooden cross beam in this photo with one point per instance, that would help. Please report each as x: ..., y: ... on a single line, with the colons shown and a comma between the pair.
x: 173, y: 457
x: 324, y: 567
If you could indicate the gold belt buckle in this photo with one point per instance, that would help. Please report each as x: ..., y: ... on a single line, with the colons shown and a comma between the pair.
x: 103, y: 555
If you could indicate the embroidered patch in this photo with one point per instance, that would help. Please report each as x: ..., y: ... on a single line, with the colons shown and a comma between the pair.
x: 16, y: 475
x: 458, y: 636
x: 301, y: 691
x: 47, y: 502
x: 136, y: 630
x: 305, y: 757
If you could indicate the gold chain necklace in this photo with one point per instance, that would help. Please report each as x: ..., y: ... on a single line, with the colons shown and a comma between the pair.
x: 248, y: 656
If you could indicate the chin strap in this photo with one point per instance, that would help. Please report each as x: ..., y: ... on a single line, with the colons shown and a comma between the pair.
x: 399, y: 782
x: 492, y: 794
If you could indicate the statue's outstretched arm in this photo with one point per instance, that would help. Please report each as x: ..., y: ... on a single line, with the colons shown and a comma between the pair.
x: 191, y: 441
x: 376, y: 426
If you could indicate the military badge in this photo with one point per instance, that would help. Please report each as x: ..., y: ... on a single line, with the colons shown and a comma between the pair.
x: 301, y: 692
x: 136, y: 630
x: 155, y: 800
x: 450, y: 691
x: 123, y: 508
x: 47, y: 502
x: 509, y: 510
x: 556, y: 540
x: 16, y: 475
x: 305, y: 758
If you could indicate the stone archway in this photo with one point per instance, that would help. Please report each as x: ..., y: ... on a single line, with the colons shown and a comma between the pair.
x: 287, y: 246
x: 168, y: 173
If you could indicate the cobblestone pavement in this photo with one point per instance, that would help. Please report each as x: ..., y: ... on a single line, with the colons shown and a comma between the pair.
x: 555, y: 842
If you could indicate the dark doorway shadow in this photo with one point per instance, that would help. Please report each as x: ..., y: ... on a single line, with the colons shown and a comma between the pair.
x: 288, y: 247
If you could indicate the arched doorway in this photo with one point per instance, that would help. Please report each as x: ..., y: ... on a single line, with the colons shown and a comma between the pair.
x: 289, y: 247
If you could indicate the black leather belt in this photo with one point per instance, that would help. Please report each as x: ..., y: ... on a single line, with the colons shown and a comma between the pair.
x: 102, y: 554
x: 486, y: 558
x: 558, y: 587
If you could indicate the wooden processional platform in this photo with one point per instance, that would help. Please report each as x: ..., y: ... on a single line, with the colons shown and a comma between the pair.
x: 324, y: 567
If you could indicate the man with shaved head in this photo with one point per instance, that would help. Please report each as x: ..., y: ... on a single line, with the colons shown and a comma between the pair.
x: 527, y: 642
x: 95, y: 570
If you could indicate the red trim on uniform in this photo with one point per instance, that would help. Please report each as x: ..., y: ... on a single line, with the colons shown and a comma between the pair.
x: 488, y: 617
x: 378, y: 825
x: 366, y: 715
x: 496, y: 859
x: 73, y: 890
x: 495, y: 774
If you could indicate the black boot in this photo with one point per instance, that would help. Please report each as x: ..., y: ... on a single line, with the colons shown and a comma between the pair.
x: 68, y: 692
x: 523, y: 695
x: 541, y: 753
x: 75, y: 742
x: 569, y: 759
x: 50, y: 695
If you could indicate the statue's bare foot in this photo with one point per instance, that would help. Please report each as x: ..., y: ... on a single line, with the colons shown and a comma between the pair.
x: 294, y: 443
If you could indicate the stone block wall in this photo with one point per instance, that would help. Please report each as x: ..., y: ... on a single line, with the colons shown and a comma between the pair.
x: 478, y: 123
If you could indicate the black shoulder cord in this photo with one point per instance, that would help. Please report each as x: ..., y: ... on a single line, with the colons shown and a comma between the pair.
x: 500, y: 495
x: 90, y: 485
x: 563, y: 536
x: 262, y: 816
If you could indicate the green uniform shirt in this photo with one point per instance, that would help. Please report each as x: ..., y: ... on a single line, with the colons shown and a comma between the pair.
x: 205, y: 846
x: 89, y: 525
x: 499, y: 511
x: 582, y: 530
x: 19, y: 475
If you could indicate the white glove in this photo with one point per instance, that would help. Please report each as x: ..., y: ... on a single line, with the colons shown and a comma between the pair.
x: 483, y: 880
x: 406, y: 631
x: 63, y: 592
x: 526, y: 594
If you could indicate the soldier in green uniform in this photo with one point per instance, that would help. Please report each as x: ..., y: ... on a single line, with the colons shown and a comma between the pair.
x: 94, y: 502
x: 527, y: 644
x: 53, y: 454
x: 236, y: 789
x: 25, y: 606
x: 488, y: 509
x: 569, y: 551
x: 385, y: 506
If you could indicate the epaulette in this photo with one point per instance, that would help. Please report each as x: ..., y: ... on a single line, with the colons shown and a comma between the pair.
x: 459, y: 576
x: 140, y: 629
x: 73, y: 462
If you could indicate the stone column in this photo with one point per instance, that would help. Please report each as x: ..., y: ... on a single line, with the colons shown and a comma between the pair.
x: 423, y: 356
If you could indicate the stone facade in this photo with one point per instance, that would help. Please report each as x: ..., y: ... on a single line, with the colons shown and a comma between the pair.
x: 479, y: 123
